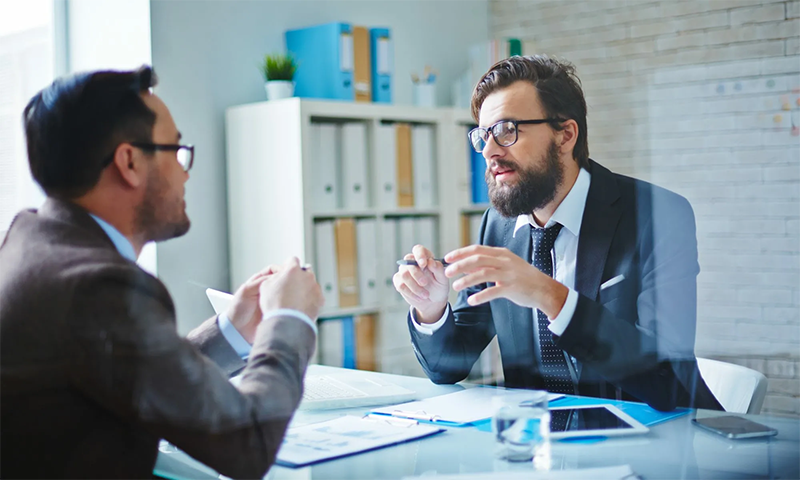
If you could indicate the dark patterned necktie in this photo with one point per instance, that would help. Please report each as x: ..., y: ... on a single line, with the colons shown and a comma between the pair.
x: 554, y: 365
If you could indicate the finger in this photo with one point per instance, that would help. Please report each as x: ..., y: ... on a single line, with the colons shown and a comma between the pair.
x: 484, y: 275
x: 292, y: 262
x: 416, y: 272
x: 421, y: 255
x: 259, y: 277
x: 486, y: 295
x: 461, y: 253
x: 473, y: 263
x: 405, y: 278
x: 409, y: 296
x: 437, y: 270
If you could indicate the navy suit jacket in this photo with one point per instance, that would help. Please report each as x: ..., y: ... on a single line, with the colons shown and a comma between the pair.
x: 634, y: 340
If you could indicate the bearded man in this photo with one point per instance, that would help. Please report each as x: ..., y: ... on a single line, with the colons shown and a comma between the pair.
x: 587, y: 278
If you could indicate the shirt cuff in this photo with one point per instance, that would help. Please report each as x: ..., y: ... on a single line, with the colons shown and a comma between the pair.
x: 234, y: 338
x: 429, y: 328
x: 559, y: 324
x: 292, y: 313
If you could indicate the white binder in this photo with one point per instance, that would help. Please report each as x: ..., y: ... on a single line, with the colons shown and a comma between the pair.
x: 326, y: 166
x: 366, y: 242
x: 407, y: 235
x: 386, y: 150
x: 325, y: 264
x: 475, y: 227
x: 354, y: 166
x: 389, y: 257
x: 426, y: 234
x: 330, y: 344
x: 422, y: 158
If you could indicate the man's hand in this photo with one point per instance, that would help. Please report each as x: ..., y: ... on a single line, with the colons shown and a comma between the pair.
x: 425, y: 287
x: 291, y: 287
x: 514, y: 278
x: 244, y: 312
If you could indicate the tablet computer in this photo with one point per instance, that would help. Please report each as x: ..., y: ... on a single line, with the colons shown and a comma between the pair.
x: 592, y: 421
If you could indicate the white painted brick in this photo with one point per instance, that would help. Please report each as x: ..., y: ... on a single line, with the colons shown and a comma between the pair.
x: 679, y: 8
x: 703, y: 21
x: 644, y: 47
x: 780, y: 138
x: 787, y: 386
x: 793, y: 227
x: 727, y: 243
x: 792, y: 9
x: 771, y: 66
x: 765, y: 13
x: 781, y: 173
x: 710, y: 295
x: 783, y: 315
x: 782, y: 368
x: 776, y: 191
x: 725, y: 278
x: 728, y: 312
x: 733, y: 140
x: 716, y: 329
x: 759, y: 331
x: 615, y: 66
x: 751, y: 262
x: 681, y: 40
x: 735, y: 69
x: 757, y: 295
x: 653, y: 29
x: 792, y: 46
x: 743, y: 209
x: 781, y: 404
x: 778, y: 279
x: 781, y: 244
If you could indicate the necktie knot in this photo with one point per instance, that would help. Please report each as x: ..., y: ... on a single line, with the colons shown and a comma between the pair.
x: 545, y: 238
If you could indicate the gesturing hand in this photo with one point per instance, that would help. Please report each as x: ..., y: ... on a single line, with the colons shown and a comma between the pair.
x: 424, y: 287
x: 244, y: 312
x: 514, y: 278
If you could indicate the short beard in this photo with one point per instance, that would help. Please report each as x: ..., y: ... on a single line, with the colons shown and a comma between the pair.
x: 147, y: 219
x: 534, y: 190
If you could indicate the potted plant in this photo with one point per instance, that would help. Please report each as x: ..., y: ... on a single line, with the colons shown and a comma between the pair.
x: 278, y: 70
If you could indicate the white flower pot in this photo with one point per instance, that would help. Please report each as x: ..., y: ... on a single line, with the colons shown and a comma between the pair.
x: 277, y: 89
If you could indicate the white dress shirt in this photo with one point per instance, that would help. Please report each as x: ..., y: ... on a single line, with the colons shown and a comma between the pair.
x: 565, y: 253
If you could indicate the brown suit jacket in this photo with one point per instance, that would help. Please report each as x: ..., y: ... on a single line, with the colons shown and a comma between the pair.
x: 93, y: 372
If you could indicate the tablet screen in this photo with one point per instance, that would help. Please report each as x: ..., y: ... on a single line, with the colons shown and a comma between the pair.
x: 577, y: 419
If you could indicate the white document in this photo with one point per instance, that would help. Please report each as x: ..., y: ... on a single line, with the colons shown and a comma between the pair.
x: 345, y: 436
x: 325, y: 166
x: 466, y: 406
x: 426, y: 234
x: 475, y: 228
x: 389, y: 256
x: 422, y: 159
x: 384, y: 56
x: 325, y: 262
x: 407, y: 236
x: 354, y: 166
x: 386, y: 149
x: 367, y: 248
x: 619, y: 472
x: 346, y: 52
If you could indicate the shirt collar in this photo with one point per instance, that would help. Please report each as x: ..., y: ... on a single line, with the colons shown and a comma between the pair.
x: 570, y: 212
x: 122, y: 244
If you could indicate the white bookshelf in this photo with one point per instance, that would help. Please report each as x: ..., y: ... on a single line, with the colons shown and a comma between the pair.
x: 270, y: 210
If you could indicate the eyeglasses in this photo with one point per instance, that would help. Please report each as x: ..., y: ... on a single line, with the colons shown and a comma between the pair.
x: 185, y: 153
x: 504, y: 132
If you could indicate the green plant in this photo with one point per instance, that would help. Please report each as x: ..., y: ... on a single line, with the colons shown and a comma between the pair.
x: 279, y: 66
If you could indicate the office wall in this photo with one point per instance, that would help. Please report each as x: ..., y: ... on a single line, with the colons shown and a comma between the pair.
x: 206, y: 53
x: 701, y: 97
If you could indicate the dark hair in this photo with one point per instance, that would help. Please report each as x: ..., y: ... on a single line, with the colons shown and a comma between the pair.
x: 73, y: 126
x: 558, y: 86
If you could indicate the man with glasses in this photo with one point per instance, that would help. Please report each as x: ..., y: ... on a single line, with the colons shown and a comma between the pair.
x: 92, y: 370
x: 586, y: 277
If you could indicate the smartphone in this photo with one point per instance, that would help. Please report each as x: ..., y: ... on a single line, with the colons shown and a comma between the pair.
x: 734, y: 427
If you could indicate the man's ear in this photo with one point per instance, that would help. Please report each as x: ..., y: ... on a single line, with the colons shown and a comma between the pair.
x: 129, y: 163
x: 569, y: 136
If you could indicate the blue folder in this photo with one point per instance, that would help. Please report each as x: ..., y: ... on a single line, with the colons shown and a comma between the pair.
x: 477, y: 168
x: 382, y: 64
x: 324, y: 55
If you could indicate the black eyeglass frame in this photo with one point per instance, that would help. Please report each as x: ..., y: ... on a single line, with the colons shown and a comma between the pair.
x: 490, y: 130
x: 170, y: 148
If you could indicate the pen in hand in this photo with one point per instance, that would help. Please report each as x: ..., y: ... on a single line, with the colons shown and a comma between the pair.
x: 414, y: 262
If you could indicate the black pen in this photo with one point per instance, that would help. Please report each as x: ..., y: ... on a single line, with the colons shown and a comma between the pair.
x: 414, y: 262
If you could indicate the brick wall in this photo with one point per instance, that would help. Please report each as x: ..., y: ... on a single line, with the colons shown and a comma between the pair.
x: 701, y: 97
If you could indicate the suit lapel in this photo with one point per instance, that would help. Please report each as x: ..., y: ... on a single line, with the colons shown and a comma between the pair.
x: 600, y: 219
x: 522, y: 317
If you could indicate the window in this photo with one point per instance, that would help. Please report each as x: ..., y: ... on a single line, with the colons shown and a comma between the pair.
x: 27, y: 64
